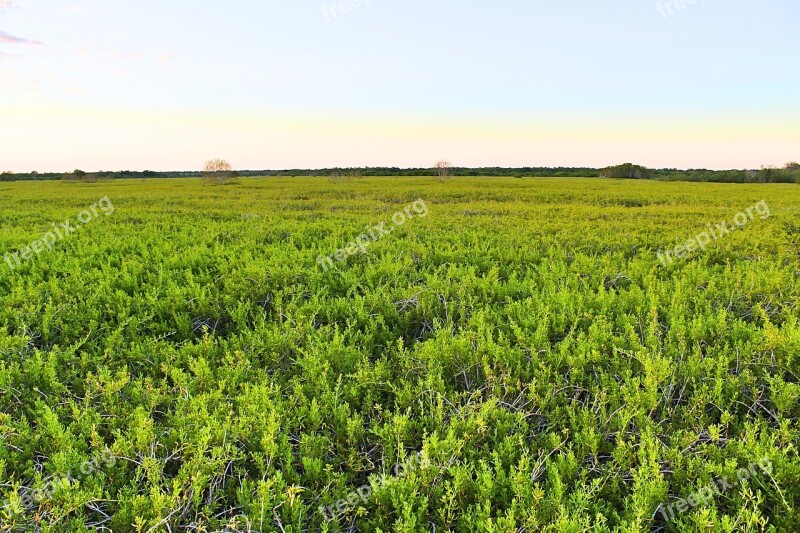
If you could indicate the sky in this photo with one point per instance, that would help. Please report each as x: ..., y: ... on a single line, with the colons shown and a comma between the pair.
x: 272, y: 84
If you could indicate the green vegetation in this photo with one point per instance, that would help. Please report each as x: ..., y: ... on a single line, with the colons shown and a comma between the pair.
x: 520, y: 350
x: 627, y: 171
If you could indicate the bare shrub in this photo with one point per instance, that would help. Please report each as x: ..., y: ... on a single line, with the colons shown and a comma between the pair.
x: 219, y: 172
x: 442, y: 170
x: 339, y: 175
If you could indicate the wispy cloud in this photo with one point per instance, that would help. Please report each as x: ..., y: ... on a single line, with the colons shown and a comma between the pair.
x: 6, y: 5
x: 10, y: 39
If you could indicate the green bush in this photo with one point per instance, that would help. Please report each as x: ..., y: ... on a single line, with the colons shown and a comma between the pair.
x: 627, y: 171
x: 519, y: 354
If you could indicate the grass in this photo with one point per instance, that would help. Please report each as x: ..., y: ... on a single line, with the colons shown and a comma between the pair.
x: 518, y: 359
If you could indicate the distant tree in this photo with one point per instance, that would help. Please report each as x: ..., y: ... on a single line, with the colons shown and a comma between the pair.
x: 792, y: 171
x: 80, y: 175
x: 7, y: 176
x: 218, y: 171
x: 767, y: 174
x: 336, y: 176
x: 442, y: 170
x: 75, y: 175
x: 627, y: 171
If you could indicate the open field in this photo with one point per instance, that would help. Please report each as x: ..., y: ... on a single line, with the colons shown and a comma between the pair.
x: 513, y: 356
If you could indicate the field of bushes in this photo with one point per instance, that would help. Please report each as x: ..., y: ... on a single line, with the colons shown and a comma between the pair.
x: 515, y: 359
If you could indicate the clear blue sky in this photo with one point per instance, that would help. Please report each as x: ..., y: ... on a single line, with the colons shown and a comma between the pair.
x: 306, y: 83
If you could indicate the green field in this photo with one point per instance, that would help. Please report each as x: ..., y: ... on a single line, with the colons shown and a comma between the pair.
x: 513, y: 357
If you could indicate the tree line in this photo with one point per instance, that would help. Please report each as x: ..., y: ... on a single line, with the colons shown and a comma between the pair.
x: 790, y: 173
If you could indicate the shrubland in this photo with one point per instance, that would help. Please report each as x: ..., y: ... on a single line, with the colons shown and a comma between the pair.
x: 520, y: 351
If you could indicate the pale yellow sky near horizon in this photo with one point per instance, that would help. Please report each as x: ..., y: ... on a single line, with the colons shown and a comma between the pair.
x: 106, y: 139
